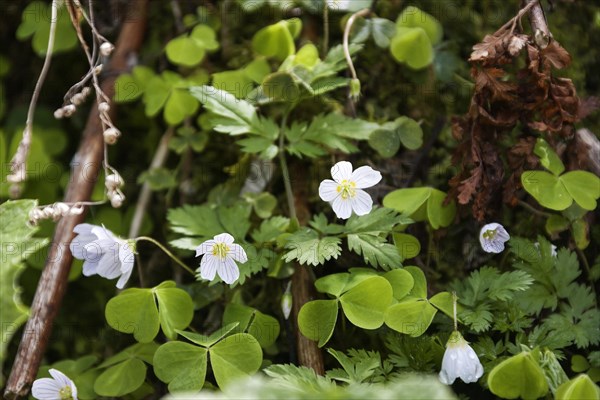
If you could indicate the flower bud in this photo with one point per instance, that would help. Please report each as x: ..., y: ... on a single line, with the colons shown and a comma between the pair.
x: 69, y: 110
x: 286, y: 301
x: 103, y: 107
x: 106, y: 48
x: 111, y: 135
x: 58, y: 114
x: 113, y: 181
x: 354, y: 89
x: 98, y: 69
x: 77, y: 99
x: 86, y: 91
x: 116, y: 199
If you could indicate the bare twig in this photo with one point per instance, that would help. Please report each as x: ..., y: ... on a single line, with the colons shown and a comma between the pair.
x: 53, y: 282
x: 19, y: 161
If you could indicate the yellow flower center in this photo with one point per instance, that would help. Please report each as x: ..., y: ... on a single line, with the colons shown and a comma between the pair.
x: 347, y: 189
x: 490, y: 234
x: 65, y: 393
x: 220, y: 250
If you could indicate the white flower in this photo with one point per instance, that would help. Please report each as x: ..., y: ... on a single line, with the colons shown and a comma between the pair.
x: 492, y: 238
x: 220, y: 255
x: 345, y: 191
x: 553, y: 248
x: 104, y: 253
x: 59, y: 387
x: 338, y: 5
x: 460, y: 361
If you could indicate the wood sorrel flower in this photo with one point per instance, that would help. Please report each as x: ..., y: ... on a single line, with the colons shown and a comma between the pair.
x: 59, y: 387
x: 220, y: 255
x: 345, y: 192
x: 460, y: 361
x: 103, y: 253
x: 492, y: 238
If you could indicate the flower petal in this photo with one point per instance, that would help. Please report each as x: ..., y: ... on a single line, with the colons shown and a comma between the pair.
x: 109, y: 266
x: 126, y: 256
x: 362, y: 203
x: 126, y: 274
x: 84, y: 229
x: 224, y: 238
x: 59, y: 377
x: 45, y: 389
x: 228, y: 270
x: 103, y: 233
x: 365, y: 177
x: 238, y: 253
x: 341, y: 171
x: 208, y: 267
x: 78, y: 243
x: 90, y: 268
x: 328, y: 190
x: 205, y: 247
x: 342, y: 207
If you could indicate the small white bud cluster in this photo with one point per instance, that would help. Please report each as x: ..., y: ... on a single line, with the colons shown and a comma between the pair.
x: 111, y: 135
x: 114, y: 183
x: 106, y: 49
x: 76, y: 100
x: 54, y: 211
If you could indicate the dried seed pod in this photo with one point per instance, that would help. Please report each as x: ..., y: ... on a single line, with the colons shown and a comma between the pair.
x: 86, y: 91
x: 59, y: 113
x: 103, y: 107
x: 113, y: 181
x: 106, y: 48
x: 77, y: 99
x: 116, y: 198
x: 111, y: 135
x: 98, y: 69
x: 69, y: 110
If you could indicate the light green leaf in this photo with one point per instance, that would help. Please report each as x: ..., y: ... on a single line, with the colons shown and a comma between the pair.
x: 444, y: 301
x: 205, y: 37
x: 581, y: 387
x: 408, y: 246
x: 556, y: 224
x: 419, y: 289
x: 207, y: 341
x: 275, y: 41
x: 307, y: 56
x: 365, y: 304
x: 584, y: 188
x: 36, y: 21
x: 181, y: 365
x: 439, y: 214
x: 385, y: 142
x: 409, y: 132
x: 375, y: 250
x: 518, y: 376
x: 413, y: 47
x: 156, y: 95
x: 121, y: 379
x: 422, y: 204
x: 235, y: 357
x: 175, y: 309
x: 411, y: 317
x: 235, y: 116
x: 184, y: 51
x: 548, y: 157
x: 179, y: 105
x: 134, y: 311
x: 402, y: 282
x: 264, y: 328
x: 547, y: 189
x: 306, y: 247
x: 257, y: 70
x: 281, y: 87
x: 412, y: 17
x: 317, y: 319
x: 235, y: 82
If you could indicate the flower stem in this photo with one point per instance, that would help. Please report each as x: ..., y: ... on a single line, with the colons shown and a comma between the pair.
x: 284, y: 168
x: 167, y: 252
x: 361, y: 13
x: 454, y: 301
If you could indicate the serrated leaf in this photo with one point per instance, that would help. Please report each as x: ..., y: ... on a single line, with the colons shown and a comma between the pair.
x: 306, y: 247
x: 235, y: 116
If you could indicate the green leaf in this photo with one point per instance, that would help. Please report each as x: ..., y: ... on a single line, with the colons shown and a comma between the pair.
x: 408, y: 246
x: 422, y: 204
x: 579, y: 363
x: 439, y: 214
x: 385, y: 142
x: 184, y: 51
x: 412, y: 17
x: 263, y: 203
x: 444, y: 301
x: 264, y: 328
x: 584, y: 188
x: 547, y: 189
x: 17, y: 244
x: 413, y: 47
x: 270, y: 229
x: 257, y: 70
x: 121, y: 379
x: 556, y: 224
x: 208, y: 341
x: 175, y: 309
x: 411, y: 317
x: 235, y: 82
x: 275, y: 41
x: 156, y: 94
x: 179, y: 105
x: 409, y: 132
x: 205, y: 37
x: 158, y: 179
x: 36, y: 21
x: 402, y: 282
x: 306, y: 247
x: 382, y: 31
x: 548, y: 157
x: 581, y: 387
x: 365, y: 304
x: 134, y: 311
x: 181, y: 365
x: 419, y: 289
x: 518, y: 376
x: 235, y: 357
x: 317, y: 319
x: 580, y: 234
x: 280, y: 86
x: 307, y: 56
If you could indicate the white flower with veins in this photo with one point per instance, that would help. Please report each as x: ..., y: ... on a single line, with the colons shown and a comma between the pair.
x: 345, y: 192
x: 460, y: 361
x: 103, y: 253
x: 492, y: 238
x: 219, y: 257
x: 59, y: 387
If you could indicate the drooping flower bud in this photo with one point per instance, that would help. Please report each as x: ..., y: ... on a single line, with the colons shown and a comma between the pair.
x: 59, y: 113
x: 69, y: 110
x: 77, y: 99
x: 113, y: 182
x: 106, y: 48
x: 116, y: 198
x: 103, y: 107
x: 111, y: 135
x: 287, y: 302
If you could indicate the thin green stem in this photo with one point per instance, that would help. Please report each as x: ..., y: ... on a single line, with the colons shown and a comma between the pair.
x: 534, y: 210
x: 348, y: 28
x: 284, y: 168
x: 454, y: 301
x: 167, y: 252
